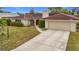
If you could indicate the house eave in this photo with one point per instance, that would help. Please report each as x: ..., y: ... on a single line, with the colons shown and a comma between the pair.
x: 63, y: 20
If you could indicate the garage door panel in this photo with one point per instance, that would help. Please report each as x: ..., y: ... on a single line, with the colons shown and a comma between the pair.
x: 59, y: 25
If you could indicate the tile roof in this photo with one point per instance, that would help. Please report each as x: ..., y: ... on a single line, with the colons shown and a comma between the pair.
x: 37, y: 16
x: 27, y: 16
x: 62, y: 16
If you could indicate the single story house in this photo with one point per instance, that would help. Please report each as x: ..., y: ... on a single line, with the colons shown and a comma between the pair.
x: 26, y: 19
x: 59, y: 21
x: 62, y: 21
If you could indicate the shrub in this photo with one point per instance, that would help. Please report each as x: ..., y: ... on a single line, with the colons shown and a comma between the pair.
x: 41, y: 24
x: 8, y: 22
x: 19, y: 24
x: 3, y: 22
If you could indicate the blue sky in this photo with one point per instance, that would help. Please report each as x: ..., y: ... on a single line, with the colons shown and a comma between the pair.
x: 27, y: 9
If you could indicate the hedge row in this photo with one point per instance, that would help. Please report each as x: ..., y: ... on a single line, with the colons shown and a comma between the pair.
x: 16, y: 23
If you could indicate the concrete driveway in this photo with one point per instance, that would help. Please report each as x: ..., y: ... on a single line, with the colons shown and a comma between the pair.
x: 49, y: 40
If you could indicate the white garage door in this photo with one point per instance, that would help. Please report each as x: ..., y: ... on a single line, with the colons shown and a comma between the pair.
x: 59, y: 25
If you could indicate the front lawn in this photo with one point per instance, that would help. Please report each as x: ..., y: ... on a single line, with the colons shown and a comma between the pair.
x: 17, y: 36
x: 73, y: 42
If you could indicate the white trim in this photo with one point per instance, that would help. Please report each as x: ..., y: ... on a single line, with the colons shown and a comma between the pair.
x: 63, y: 20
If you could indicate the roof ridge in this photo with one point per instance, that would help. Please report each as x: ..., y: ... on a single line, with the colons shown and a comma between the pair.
x: 65, y: 15
x: 69, y: 15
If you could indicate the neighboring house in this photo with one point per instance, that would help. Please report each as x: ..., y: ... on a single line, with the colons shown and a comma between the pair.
x: 61, y: 22
x: 7, y: 15
x: 27, y: 19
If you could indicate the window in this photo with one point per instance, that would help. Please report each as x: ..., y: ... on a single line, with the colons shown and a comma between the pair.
x: 18, y: 20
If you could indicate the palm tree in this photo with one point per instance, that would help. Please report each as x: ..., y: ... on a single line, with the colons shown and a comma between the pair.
x: 58, y: 10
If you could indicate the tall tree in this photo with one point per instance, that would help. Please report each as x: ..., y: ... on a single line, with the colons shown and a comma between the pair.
x: 58, y: 10
x: 75, y: 10
x: 66, y: 11
x: 19, y: 13
x: 2, y: 11
x: 32, y: 10
x: 55, y: 9
x: 1, y: 8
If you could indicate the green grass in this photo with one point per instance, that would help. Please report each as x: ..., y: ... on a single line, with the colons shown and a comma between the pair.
x: 73, y: 42
x: 18, y: 35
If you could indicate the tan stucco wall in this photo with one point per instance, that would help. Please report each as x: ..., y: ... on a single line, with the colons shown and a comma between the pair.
x: 61, y: 25
x: 25, y: 22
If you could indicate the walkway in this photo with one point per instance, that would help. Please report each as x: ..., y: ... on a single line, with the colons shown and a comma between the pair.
x: 40, y: 30
x: 49, y: 40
